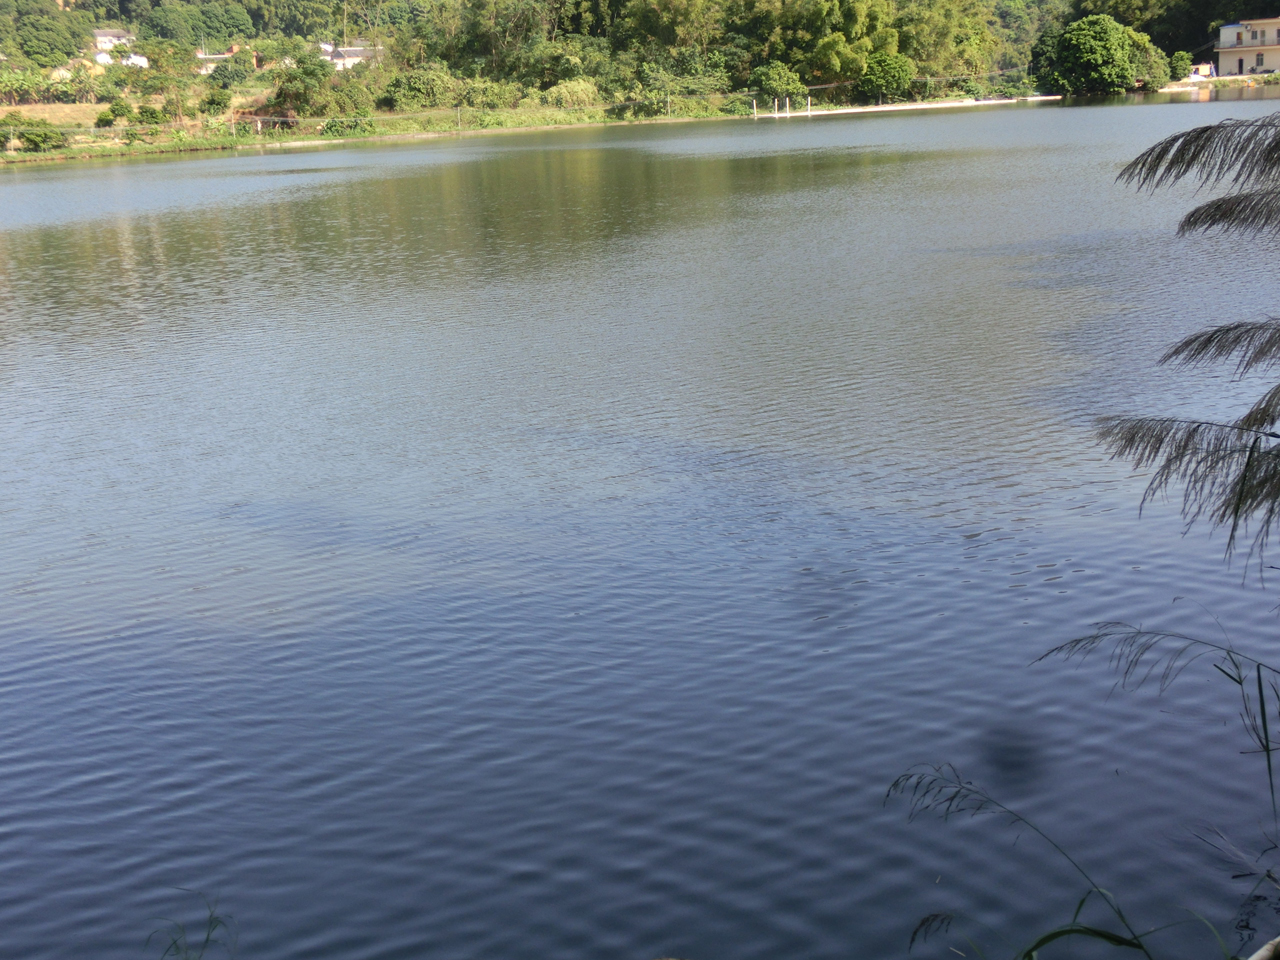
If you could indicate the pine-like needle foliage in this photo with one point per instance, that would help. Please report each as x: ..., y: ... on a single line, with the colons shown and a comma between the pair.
x: 1229, y: 472
x: 1242, y: 153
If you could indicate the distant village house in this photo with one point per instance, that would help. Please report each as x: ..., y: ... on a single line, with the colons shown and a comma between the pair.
x: 343, y: 58
x: 132, y: 60
x: 210, y: 61
x: 1251, y: 46
x: 107, y: 40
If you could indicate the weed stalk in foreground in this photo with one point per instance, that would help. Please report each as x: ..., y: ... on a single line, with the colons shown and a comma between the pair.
x: 180, y: 946
x: 939, y: 788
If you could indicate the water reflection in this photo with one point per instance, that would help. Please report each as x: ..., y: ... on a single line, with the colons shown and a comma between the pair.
x: 553, y: 545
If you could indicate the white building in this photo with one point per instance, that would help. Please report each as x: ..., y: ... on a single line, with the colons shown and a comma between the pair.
x: 132, y: 60
x: 107, y: 40
x: 344, y: 58
x: 210, y: 61
x: 1251, y: 46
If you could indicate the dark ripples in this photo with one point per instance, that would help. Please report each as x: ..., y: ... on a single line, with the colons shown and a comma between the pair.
x: 553, y: 545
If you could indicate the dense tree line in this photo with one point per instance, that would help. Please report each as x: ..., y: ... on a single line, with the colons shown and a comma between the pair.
x: 1098, y: 55
x: 617, y: 47
x: 1176, y: 24
x: 490, y: 53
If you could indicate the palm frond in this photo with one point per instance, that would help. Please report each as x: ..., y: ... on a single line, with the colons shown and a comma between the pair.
x: 1242, y: 151
x: 1256, y: 343
x: 1251, y: 211
x: 1264, y: 414
x: 1227, y: 474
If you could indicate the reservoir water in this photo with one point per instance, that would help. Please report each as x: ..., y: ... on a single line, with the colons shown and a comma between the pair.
x: 552, y: 545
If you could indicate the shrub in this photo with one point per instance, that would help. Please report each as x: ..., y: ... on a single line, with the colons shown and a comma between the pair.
x: 105, y: 119
x: 302, y: 85
x: 580, y: 92
x: 149, y: 114
x: 105, y: 90
x: 774, y: 80
x: 121, y: 110
x: 491, y: 94
x: 174, y: 107
x: 216, y: 101
x: 1012, y: 89
x: 431, y: 87
x: 36, y: 136
x: 228, y: 74
x: 1179, y: 65
x: 887, y: 77
x: 346, y: 126
x: 1150, y: 65
x: 351, y: 100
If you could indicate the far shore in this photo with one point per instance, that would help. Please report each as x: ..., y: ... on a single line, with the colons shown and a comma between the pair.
x: 73, y: 116
x: 116, y: 150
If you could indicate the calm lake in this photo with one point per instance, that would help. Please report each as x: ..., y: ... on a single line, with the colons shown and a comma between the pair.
x: 552, y: 545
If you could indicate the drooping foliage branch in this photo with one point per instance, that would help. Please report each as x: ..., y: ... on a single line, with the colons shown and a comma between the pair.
x: 1229, y: 472
x: 1242, y: 154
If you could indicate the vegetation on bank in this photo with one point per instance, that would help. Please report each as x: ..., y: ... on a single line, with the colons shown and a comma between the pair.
x: 203, y: 69
x: 610, y: 58
x: 1097, y: 55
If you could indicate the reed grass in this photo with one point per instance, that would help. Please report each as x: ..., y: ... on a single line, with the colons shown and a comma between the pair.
x: 219, y: 932
x: 939, y: 788
x: 1140, y: 656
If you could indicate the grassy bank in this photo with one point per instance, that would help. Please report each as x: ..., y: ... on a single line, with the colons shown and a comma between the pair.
x: 89, y: 144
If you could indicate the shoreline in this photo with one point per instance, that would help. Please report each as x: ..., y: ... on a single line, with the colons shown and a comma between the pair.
x: 118, y: 150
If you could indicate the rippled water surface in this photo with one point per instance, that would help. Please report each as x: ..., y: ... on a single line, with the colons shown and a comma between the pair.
x: 552, y: 545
